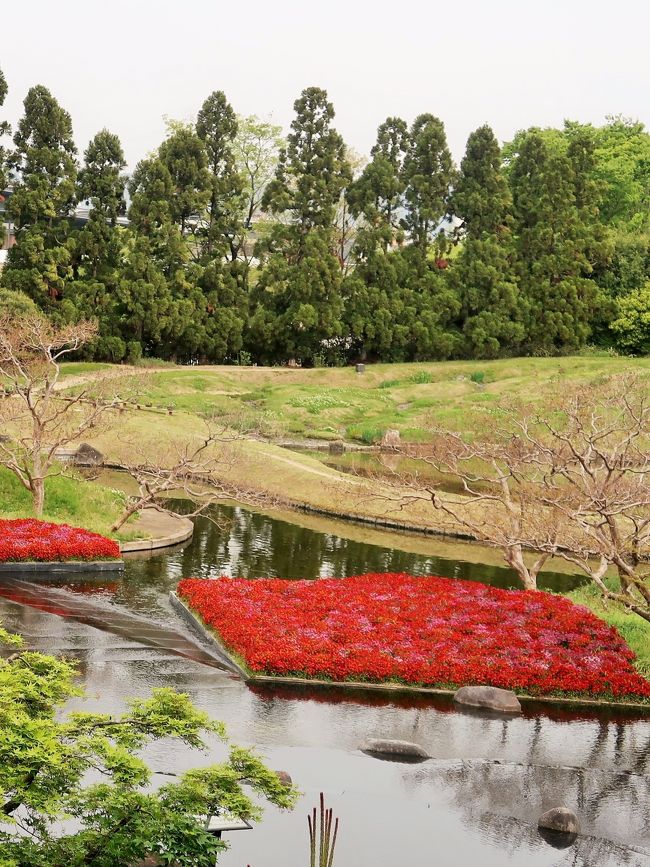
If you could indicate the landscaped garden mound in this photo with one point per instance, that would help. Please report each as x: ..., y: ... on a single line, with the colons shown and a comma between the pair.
x: 424, y: 631
x: 32, y: 540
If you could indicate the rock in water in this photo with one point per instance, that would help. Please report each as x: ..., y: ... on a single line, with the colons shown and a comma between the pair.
x: 391, y: 439
x: 559, y: 819
x: 489, y: 697
x: 396, y: 750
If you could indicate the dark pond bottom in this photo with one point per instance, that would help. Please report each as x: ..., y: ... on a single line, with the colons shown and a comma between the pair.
x: 476, y: 802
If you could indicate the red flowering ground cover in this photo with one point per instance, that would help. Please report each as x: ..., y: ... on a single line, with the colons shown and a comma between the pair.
x: 39, y: 540
x: 419, y: 630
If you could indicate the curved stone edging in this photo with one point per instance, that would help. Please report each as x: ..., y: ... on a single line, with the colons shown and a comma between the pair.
x: 195, y: 621
x: 185, y: 531
x: 246, y: 675
x: 63, y: 566
x: 381, y: 523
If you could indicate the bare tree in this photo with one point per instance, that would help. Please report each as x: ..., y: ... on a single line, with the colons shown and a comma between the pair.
x: 571, y: 481
x: 193, y: 468
x: 36, y: 418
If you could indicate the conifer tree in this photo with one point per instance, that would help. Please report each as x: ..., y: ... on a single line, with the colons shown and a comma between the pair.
x: 216, y: 126
x: 183, y: 155
x: 312, y: 170
x: 4, y: 130
x: 95, y: 247
x: 552, y: 239
x: 375, y: 309
x: 428, y: 174
x: 297, y: 299
x: 43, y: 161
x: 378, y: 194
x: 101, y: 184
x: 483, y: 275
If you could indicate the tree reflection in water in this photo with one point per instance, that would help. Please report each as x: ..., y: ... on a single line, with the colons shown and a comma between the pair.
x: 477, y: 800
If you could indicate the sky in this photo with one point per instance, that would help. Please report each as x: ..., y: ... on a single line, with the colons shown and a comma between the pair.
x: 125, y: 64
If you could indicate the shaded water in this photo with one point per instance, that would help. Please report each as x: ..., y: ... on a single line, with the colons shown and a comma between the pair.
x: 477, y: 800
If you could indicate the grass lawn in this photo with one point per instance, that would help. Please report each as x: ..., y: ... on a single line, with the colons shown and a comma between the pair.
x: 78, y: 368
x: 68, y: 500
x: 327, y: 403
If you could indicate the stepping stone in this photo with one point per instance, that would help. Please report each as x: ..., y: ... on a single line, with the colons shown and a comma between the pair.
x: 559, y: 819
x: 488, y: 697
x: 396, y: 750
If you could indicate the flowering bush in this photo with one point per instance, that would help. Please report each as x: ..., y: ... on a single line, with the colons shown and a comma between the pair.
x: 418, y: 630
x: 39, y: 540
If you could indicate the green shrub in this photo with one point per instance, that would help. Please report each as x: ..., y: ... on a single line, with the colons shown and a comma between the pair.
x: 477, y: 376
x: 244, y: 359
x: 366, y: 433
x: 315, y: 403
x: 154, y: 362
x: 420, y: 377
x: 133, y: 351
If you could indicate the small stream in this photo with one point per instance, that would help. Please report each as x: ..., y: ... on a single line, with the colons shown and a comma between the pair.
x: 475, y: 802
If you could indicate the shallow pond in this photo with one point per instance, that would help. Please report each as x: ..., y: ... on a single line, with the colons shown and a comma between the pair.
x: 474, y: 803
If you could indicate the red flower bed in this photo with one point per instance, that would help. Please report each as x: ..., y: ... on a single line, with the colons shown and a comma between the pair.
x: 419, y: 630
x: 38, y: 540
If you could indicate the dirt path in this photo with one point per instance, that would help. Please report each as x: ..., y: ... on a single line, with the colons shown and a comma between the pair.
x: 107, y: 375
x: 332, y: 476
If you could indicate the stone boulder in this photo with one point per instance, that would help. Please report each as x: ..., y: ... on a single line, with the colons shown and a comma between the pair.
x: 488, y: 697
x: 87, y: 456
x: 559, y: 819
x: 284, y: 778
x: 391, y: 439
x: 400, y: 751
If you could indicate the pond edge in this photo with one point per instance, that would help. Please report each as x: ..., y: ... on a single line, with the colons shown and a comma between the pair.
x: 208, y: 634
x: 31, y: 566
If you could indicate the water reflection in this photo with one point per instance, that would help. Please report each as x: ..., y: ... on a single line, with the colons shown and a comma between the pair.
x: 475, y: 803
x: 253, y: 544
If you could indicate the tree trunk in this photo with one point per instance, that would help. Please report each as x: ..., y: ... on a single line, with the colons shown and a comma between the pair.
x: 38, y: 496
x: 515, y: 559
x: 126, y: 514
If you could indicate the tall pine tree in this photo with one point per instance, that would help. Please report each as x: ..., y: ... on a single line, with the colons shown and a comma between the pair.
x: 553, y: 236
x: 4, y: 130
x: 428, y: 174
x: 297, y: 298
x: 216, y: 126
x: 43, y: 161
x: 375, y: 311
x: 95, y: 248
x: 483, y: 274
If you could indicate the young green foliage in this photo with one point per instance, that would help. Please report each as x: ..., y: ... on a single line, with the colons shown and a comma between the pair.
x: 46, y: 758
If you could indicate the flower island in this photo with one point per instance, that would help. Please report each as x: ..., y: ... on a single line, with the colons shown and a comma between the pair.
x: 29, y: 543
x: 425, y: 632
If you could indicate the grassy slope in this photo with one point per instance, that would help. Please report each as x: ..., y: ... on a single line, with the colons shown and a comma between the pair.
x: 332, y: 402
x: 68, y: 500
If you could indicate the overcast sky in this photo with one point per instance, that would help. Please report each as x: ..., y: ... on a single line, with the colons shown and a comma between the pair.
x: 124, y: 64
